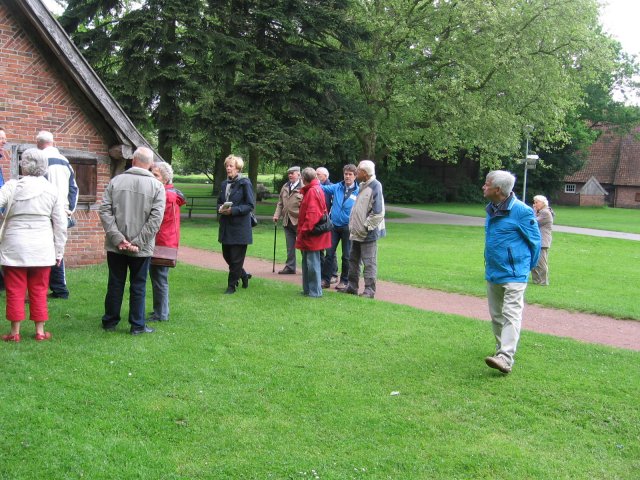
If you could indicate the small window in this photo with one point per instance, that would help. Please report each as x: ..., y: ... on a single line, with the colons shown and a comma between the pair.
x: 86, y: 170
x: 637, y: 196
x: 569, y: 188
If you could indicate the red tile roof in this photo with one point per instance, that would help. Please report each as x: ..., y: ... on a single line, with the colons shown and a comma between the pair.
x: 613, y: 159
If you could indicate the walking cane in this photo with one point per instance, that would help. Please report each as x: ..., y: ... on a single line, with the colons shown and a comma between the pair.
x: 275, y: 236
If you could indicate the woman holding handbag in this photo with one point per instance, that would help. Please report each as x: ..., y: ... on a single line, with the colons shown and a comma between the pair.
x: 32, y: 239
x: 235, y: 205
x: 168, y: 236
x: 314, y: 232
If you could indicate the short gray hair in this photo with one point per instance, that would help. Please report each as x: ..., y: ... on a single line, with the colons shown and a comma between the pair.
x: 541, y: 198
x: 44, y: 137
x: 322, y: 171
x: 368, y: 167
x: 503, y: 180
x: 308, y: 174
x: 143, y: 155
x: 166, y: 171
x: 34, y: 163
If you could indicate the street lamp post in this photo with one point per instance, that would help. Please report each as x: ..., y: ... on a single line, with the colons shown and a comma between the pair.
x: 528, y: 129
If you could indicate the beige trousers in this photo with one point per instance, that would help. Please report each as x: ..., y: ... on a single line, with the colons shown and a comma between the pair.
x: 540, y: 274
x: 506, y: 303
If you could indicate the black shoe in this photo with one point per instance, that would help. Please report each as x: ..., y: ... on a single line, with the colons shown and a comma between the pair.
x: 55, y: 295
x: 287, y: 271
x: 144, y: 330
x: 230, y: 290
x: 245, y: 280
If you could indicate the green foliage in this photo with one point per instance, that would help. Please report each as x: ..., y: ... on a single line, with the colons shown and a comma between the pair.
x: 402, y: 189
x: 227, y: 390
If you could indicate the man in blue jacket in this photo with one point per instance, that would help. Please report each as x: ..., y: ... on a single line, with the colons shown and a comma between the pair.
x: 512, y: 247
x: 343, y: 196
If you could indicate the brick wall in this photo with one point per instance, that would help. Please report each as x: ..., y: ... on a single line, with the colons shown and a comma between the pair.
x: 591, y: 200
x: 626, y: 197
x: 33, y: 98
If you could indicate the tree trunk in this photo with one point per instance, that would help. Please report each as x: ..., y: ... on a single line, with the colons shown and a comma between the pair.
x: 254, y: 162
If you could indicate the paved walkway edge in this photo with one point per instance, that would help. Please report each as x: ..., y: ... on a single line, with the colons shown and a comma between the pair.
x: 579, y: 326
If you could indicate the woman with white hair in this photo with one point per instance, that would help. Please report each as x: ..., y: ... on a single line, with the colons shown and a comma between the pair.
x: 167, y: 236
x: 32, y: 239
x: 544, y: 216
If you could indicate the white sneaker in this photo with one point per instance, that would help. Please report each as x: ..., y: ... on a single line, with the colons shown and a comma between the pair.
x: 499, y: 363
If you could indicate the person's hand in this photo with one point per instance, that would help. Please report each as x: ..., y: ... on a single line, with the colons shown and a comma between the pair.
x: 226, y: 211
x: 275, y: 219
x: 58, y: 262
x: 133, y: 248
x: 124, y: 245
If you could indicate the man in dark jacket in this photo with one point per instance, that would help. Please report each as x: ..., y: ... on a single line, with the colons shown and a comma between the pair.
x: 512, y: 246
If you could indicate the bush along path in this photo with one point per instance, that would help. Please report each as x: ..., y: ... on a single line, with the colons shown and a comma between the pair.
x: 580, y: 326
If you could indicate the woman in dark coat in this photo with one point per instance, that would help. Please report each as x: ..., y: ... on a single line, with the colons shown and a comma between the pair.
x: 234, y: 231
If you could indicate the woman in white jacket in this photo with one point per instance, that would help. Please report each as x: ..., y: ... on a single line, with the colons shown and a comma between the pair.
x: 32, y: 239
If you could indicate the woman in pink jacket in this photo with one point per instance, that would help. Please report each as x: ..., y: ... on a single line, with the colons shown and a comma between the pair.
x: 312, y: 208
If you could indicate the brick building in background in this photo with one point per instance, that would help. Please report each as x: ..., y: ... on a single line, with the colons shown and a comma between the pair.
x: 46, y: 84
x: 611, y: 174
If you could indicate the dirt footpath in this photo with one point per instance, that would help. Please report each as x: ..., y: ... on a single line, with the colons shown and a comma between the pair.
x: 580, y: 326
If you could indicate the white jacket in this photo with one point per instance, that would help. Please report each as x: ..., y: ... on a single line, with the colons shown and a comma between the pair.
x: 35, y: 229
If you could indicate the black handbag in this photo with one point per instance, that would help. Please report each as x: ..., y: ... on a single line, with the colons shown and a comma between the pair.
x: 254, y: 220
x: 324, y: 225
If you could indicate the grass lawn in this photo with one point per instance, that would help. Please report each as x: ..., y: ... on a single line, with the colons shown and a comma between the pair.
x: 602, y: 218
x: 239, y: 387
x: 590, y: 274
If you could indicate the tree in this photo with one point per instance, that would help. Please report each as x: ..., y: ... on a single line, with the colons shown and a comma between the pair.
x: 445, y: 77
x: 145, y: 52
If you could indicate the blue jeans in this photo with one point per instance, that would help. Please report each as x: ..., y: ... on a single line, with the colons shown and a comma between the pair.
x: 338, y: 235
x: 160, y: 283
x: 138, y: 268
x: 311, y: 273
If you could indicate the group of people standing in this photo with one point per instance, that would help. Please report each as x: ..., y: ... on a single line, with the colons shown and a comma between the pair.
x: 357, y: 213
x: 141, y: 209
x: 37, y: 211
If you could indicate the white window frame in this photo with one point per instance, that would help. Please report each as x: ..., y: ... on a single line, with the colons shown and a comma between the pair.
x: 569, y: 188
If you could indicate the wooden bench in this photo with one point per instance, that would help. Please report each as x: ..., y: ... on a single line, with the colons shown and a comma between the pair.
x: 202, y: 203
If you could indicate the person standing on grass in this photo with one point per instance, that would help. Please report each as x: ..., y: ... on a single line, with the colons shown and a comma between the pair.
x: 131, y: 214
x: 288, y: 208
x: 323, y: 177
x: 32, y: 239
x: 234, y: 230
x: 343, y: 196
x: 544, y: 216
x: 168, y: 236
x: 366, y: 226
x: 311, y: 210
x: 512, y: 248
x: 61, y: 175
